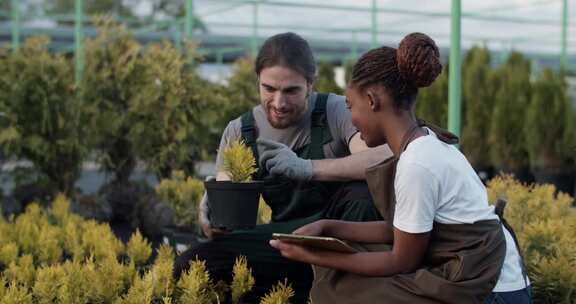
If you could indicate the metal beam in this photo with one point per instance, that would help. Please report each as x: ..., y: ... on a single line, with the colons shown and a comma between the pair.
x: 374, y: 30
x: 455, y: 73
x: 15, y: 8
x: 563, y: 47
x: 254, y: 39
x: 78, y: 47
x: 189, y: 23
x: 399, y: 11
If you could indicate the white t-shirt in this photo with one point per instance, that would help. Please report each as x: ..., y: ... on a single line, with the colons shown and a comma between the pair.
x: 435, y: 182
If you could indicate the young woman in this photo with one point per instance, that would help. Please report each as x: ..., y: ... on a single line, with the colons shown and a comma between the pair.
x: 447, y: 244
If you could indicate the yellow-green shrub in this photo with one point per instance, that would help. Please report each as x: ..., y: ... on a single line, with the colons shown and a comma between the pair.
x: 163, y: 271
x: 264, y: 212
x: 545, y: 224
x: 48, y: 283
x: 16, y: 294
x: 239, y: 162
x: 195, y: 284
x: 183, y: 194
x: 90, y: 266
x: 242, y: 279
x: 138, y: 249
x: 280, y: 294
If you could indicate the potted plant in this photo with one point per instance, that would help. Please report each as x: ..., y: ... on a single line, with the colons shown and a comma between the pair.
x: 183, y: 195
x: 512, y: 97
x: 233, y: 204
x: 550, y: 132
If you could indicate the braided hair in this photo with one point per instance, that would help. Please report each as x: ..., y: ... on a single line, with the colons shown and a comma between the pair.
x: 415, y: 64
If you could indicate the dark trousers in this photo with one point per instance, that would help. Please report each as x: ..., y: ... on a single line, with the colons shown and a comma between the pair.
x: 522, y: 296
x: 351, y: 202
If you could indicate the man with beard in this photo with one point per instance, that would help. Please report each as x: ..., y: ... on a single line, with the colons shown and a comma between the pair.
x: 312, y: 158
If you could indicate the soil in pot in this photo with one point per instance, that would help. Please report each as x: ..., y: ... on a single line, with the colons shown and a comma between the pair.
x: 233, y: 205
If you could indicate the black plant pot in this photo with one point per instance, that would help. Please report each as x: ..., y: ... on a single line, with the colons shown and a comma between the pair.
x: 179, y: 238
x: 563, y: 178
x: 233, y: 205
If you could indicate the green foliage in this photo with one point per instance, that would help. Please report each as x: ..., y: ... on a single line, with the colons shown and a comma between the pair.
x: 43, y: 117
x: 142, y: 291
x: 478, y: 100
x: 241, y: 92
x: 77, y: 283
x: 98, y: 241
x: 242, y: 279
x: 432, y: 104
x: 512, y: 97
x: 163, y: 271
x: 91, y: 7
x: 112, y: 78
x: 326, y: 81
x: 238, y: 161
x: 138, y: 249
x: 169, y: 113
x: 22, y: 271
x: 264, y: 212
x: 545, y: 224
x: 195, y: 284
x: 112, y: 279
x: 48, y: 283
x: 16, y: 294
x: 146, y: 103
x: 92, y: 267
x: 280, y: 294
x: 550, y: 124
x: 8, y: 254
x: 183, y: 194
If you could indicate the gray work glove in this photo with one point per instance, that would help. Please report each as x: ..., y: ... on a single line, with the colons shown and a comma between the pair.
x: 279, y: 159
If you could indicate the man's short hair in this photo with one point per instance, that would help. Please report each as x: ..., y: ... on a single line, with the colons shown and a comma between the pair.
x: 288, y: 50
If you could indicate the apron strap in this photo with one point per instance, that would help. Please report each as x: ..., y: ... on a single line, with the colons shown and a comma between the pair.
x: 442, y: 134
x: 319, y: 132
x: 249, y: 137
x: 407, y: 138
x: 499, y: 210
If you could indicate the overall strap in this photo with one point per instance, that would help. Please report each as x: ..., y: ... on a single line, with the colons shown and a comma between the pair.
x: 407, y: 138
x: 249, y: 135
x: 319, y: 132
x: 499, y: 210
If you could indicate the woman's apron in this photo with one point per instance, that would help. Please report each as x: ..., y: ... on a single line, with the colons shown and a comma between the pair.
x: 462, y: 263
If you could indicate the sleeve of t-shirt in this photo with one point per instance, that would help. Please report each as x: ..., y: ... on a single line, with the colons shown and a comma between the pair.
x: 231, y: 132
x: 340, y: 119
x: 417, y: 194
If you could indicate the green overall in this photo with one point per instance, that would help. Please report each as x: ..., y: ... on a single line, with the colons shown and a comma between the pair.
x: 293, y: 205
x: 288, y: 199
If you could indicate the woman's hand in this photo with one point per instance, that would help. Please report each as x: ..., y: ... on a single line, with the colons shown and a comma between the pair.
x: 317, y: 228
x: 295, y: 252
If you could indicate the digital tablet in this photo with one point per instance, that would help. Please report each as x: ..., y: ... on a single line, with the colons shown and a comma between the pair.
x: 318, y: 242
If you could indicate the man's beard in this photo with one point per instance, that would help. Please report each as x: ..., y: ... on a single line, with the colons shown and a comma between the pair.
x: 291, y: 119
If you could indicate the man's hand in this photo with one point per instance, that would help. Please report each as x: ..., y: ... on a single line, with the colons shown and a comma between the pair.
x: 203, y: 217
x: 279, y: 159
